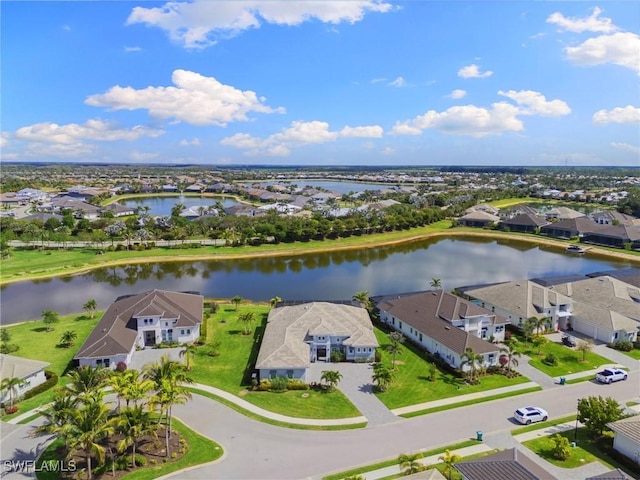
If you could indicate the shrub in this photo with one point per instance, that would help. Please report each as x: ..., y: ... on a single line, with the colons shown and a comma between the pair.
x: 550, y: 360
x: 622, y: 345
x: 279, y: 384
x: 337, y: 356
x: 11, y: 409
x: 121, y: 366
x: 297, y: 384
x: 9, y: 348
x: 265, y: 385
x: 561, y: 447
x: 52, y: 380
x: 140, y: 460
x: 432, y: 372
x: 378, y: 357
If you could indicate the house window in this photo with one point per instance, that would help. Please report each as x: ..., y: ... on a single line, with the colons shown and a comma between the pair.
x: 170, y: 335
x: 188, y: 331
x: 182, y: 331
x: 166, y: 324
x: 99, y: 362
x: 272, y: 374
x: 393, y: 321
x: 289, y: 373
x: 106, y: 363
x: 420, y: 337
x: 399, y: 324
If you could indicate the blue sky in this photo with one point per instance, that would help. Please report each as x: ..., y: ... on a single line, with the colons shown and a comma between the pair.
x: 354, y: 82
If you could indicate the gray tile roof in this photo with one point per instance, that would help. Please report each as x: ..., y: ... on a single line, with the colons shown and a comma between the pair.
x: 12, y: 366
x: 432, y: 314
x: 116, y: 331
x: 505, y: 465
x: 615, y: 474
x: 629, y: 427
x: 283, y: 344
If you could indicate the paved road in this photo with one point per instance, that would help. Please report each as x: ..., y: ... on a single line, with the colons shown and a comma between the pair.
x: 255, y: 450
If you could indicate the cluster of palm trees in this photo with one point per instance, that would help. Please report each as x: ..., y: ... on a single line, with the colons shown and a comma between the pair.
x: 80, y: 415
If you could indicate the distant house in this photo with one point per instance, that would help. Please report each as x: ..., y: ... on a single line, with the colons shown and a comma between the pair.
x: 297, y: 335
x: 612, y: 217
x: 30, y: 371
x: 444, y: 324
x: 615, y: 236
x: 139, y: 321
x: 10, y: 199
x: 478, y: 219
x: 569, y: 228
x: 523, y: 223
x: 508, y: 464
x: 119, y: 210
x: 627, y: 437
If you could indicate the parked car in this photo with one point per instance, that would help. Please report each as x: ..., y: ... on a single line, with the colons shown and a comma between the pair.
x: 609, y: 375
x: 527, y: 415
x: 569, y: 341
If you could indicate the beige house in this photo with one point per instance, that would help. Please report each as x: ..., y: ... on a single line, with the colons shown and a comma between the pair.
x: 31, y: 372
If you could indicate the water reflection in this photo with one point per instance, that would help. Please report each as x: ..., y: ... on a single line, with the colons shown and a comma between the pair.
x: 331, y: 275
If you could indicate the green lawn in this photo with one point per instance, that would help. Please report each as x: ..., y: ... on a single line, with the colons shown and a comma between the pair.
x: 411, y: 387
x: 569, y: 360
x: 635, y: 353
x: 542, y: 425
x: 231, y: 369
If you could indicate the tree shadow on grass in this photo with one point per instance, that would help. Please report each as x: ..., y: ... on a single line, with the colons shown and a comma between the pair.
x: 258, y: 333
x: 234, y: 332
x: 39, y: 329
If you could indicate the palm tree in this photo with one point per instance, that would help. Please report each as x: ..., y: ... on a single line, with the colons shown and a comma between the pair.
x: 539, y: 342
x: 511, y: 352
x: 188, y: 351
x: 527, y: 329
x: 274, y: 301
x: 133, y: 424
x: 168, y: 395
x: 86, y: 427
x: 90, y: 306
x: 58, y: 412
x: 539, y: 324
x: 246, y: 319
x: 394, y: 347
x: 331, y: 378
x: 449, y: 459
x: 436, y: 283
x: 84, y: 381
x: 12, y: 385
x: 236, y: 300
x: 119, y: 382
x: 474, y: 360
x: 68, y: 338
x: 363, y: 297
x: 137, y: 387
x: 409, y: 463
x: 382, y: 377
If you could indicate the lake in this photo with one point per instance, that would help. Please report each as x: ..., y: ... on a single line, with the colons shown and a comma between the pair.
x: 322, y: 276
x: 334, y: 186
x: 162, y: 206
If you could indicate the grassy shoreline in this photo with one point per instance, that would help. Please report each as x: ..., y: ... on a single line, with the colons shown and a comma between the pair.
x: 87, y: 260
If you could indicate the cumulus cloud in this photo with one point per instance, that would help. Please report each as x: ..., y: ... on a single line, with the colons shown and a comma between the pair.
x: 195, y: 99
x: 627, y: 147
x: 473, y: 71
x: 621, y: 48
x: 202, y: 23
x: 592, y: 23
x: 298, y: 134
x: 73, y: 133
x: 193, y: 142
x: 628, y: 115
x: 479, y: 121
x: 388, y: 151
x: 59, y: 150
x: 457, y: 94
x: 378, y: 80
x: 398, y: 82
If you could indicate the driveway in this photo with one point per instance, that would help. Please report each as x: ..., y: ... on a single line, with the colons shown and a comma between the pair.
x: 357, y: 386
x: 140, y: 358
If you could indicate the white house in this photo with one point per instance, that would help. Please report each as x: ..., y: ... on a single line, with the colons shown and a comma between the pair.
x: 139, y: 321
x: 297, y: 335
x: 627, y: 437
x: 31, y: 372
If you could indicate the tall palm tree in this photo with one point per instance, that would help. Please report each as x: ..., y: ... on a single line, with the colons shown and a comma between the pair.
x: 331, y: 378
x: 449, y: 460
x: 511, y: 352
x: 12, y: 386
x: 236, y: 300
x: 86, y: 427
x: 274, y: 301
x: 363, y: 297
x: 87, y: 380
x: 137, y: 387
x: 58, y: 412
x: 168, y: 395
x: 119, y: 382
x: 539, y: 324
x: 246, y: 319
x: 188, y: 351
x: 134, y: 423
x: 474, y: 360
x: 436, y: 283
x: 409, y: 463
x: 394, y: 348
x: 382, y: 377
x: 90, y: 306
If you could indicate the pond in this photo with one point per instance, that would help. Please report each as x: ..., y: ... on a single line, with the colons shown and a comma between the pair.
x: 333, y: 186
x: 321, y: 276
x: 161, y: 206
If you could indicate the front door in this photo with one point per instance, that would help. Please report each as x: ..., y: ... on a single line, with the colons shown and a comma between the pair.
x: 149, y: 338
x: 322, y: 353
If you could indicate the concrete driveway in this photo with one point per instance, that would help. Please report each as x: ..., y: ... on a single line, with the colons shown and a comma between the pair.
x: 141, y: 358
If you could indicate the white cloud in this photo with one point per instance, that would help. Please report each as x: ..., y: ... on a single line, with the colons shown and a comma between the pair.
x: 202, y: 23
x: 66, y: 28
x: 534, y: 103
x: 298, y: 134
x: 73, y: 133
x: 627, y: 147
x: 4, y: 139
x: 388, y: 151
x: 142, y: 156
x: 479, y: 121
x: 592, y: 23
x: 457, y: 94
x: 628, y: 114
x: 193, y: 142
x: 398, y: 82
x: 473, y: 71
x: 132, y: 49
x: 622, y: 48
x: 196, y: 99
x: 379, y: 80
x: 60, y: 150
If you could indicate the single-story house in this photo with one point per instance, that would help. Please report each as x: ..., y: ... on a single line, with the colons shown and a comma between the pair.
x: 31, y: 372
x: 444, y: 324
x: 297, y: 335
x: 615, y: 236
x: 562, y: 213
x: 119, y: 210
x: 626, y: 438
x: 508, y: 464
x: 139, y: 321
x: 568, y: 228
x: 524, y: 222
x: 612, y: 217
x: 478, y: 219
x: 10, y: 199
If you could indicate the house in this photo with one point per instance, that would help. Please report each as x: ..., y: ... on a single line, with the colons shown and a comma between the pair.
x: 569, y: 228
x: 30, y: 371
x: 10, y: 199
x: 444, y: 324
x: 119, y: 210
x: 523, y: 223
x: 612, y: 217
x: 617, y: 236
x: 626, y: 438
x: 297, y: 335
x: 478, y: 219
x: 139, y: 321
x: 508, y: 464
x: 563, y: 213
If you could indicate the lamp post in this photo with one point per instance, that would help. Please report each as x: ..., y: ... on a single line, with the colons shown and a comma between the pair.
x: 575, y: 432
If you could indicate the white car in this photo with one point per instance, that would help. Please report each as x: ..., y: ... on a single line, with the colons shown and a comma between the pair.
x: 609, y: 375
x: 527, y: 415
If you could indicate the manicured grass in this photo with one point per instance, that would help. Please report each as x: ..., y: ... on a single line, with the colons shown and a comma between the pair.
x: 201, y: 450
x: 410, y: 386
x: 585, y: 451
x: 29, y: 419
x: 275, y: 423
x: 231, y: 369
x: 542, y: 425
x: 470, y: 402
x: 635, y: 353
x: 394, y: 461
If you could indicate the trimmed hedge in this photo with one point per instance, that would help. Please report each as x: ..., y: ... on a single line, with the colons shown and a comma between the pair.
x: 52, y: 381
